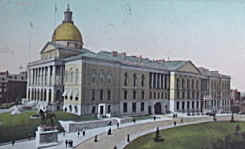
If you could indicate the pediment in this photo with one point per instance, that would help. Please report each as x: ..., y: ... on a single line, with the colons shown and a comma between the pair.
x: 189, y: 67
x: 48, y: 47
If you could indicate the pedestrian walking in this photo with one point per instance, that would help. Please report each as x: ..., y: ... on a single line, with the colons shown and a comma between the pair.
x: 109, y: 132
x: 78, y: 134
x: 66, y: 142
x: 128, y: 138
x: 96, y: 138
x: 13, y: 142
x: 174, y: 123
x: 118, y: 124
x: 83, y: 132
x: 134, y: 120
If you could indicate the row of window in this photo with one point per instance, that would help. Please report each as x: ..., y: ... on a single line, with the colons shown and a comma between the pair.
x: 135, y: 80
x: 70, y: 97
x: 101, y: 94
x: 107, y: 111
x: 71, y: 109
x: 187, y: 95
x: 134, y: 107
x: 159, y: 95
x: 187, y: 104
x: 72, y: 76
x: 158, y: 80
x: 189, y: 83
x: 134, y: 94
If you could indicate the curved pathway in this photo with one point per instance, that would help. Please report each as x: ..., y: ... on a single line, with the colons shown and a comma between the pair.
x: 119, y: 136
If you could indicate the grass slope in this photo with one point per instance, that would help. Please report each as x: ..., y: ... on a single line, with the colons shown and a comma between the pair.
x: 21, y: 126
x: 187, y: 137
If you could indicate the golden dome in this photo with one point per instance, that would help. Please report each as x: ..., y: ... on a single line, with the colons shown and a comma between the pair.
x: 67, y: 32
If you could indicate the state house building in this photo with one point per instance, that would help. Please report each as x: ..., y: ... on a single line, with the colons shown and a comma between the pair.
x: 74, y: 79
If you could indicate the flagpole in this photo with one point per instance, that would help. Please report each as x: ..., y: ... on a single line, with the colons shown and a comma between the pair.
x: 55, y: 10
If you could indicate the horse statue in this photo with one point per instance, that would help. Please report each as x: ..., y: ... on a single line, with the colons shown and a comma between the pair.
x: 47, y: 118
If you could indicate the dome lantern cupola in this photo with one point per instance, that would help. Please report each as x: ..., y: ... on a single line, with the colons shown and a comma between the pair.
x: 68, y: 15
x: 67, y: 33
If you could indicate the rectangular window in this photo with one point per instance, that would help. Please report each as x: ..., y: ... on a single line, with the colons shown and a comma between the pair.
x: 109, y: 94
x: 93, y: 94
x: 101, y: 94
x: 93, y: 109
x: 125, y: 94
x: 165, y: 82
x: 134, y: 107
x: 142, y: 94
x: 183, y: 105
x: 109, y: 109
x: 125, y: 107
x: 142, y: 106
x: 150, y: 80
x: 177, y: 107
x: 134, y: 94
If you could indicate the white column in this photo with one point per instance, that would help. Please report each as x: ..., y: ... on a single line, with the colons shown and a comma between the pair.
x: 152, y: 79
x: 30, y: 94
x: 37, y: 76
x: 53, y: 77
x: 34, y: 75
x: 48, y: 76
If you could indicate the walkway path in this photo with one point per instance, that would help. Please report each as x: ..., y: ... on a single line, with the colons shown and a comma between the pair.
x: 119, y: 136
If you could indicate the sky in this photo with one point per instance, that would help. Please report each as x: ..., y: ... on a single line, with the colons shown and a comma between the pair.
x: 210, y: 33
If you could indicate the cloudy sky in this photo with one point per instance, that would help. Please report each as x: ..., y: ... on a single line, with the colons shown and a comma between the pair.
x: 211, y: 33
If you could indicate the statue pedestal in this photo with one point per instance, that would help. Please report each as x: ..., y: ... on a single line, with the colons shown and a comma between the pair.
x: 46, y: 138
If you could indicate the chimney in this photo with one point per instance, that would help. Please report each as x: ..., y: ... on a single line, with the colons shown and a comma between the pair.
x: 114, y: 53
x: 124, y: 54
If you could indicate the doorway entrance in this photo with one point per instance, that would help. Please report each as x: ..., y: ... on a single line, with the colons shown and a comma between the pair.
x: 158, y: 108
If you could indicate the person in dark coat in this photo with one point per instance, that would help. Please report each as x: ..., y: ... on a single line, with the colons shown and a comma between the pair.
x: 118, y: 124
x: 66, y: 142
x: 13, y: 142
x: 128, y: 138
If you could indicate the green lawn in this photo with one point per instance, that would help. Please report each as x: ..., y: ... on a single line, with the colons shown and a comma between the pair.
x: 187, y: 137
x: 21, y: 126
